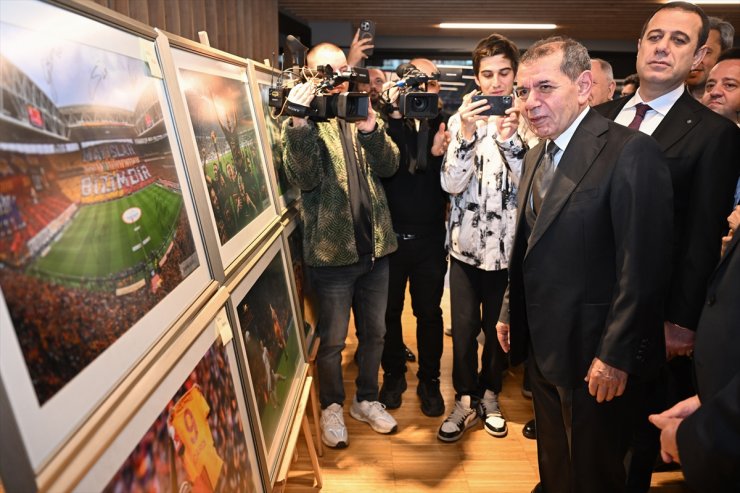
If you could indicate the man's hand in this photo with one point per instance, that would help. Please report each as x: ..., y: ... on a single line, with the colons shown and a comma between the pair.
x: 357, y: 49
x: 301, y: 94
x: 683, y: 409
x: 441, y: 141
x: 605, y: 382
x: 503, y: 332
x: 368, y: 124
x: 470, y: 114
x: 734, y: 219
x: 507, y: 125
x: 679, y: 341
x: 668, y: 427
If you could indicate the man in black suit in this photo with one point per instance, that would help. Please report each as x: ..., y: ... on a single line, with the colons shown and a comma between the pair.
x: 703, y: 152
x: 703, y: 432
x: 588, y: 271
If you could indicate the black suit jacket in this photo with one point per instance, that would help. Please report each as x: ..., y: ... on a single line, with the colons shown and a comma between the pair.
x: 703, y: 152
x: 709, y: 440
x: 590, y: 280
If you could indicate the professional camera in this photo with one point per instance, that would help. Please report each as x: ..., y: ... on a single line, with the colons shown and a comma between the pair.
x: 412, y: 102
x: 349, y: 106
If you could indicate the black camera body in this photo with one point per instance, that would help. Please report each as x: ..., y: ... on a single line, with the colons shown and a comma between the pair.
x: 412, y: 101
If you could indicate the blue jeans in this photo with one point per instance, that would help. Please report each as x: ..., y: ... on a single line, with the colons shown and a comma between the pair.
x: 362, y: 286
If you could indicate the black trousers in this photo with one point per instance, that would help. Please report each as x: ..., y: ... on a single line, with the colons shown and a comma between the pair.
x: 422, y: 263
x: 470, y: 290
x: 581, y: 443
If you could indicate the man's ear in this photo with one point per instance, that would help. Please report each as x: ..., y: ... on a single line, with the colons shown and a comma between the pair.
x: 699, y: 56
x: 584, y: 82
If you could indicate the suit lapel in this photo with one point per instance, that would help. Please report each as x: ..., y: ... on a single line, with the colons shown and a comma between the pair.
x: 678, y: 121
x: 530, y: 163
x: 730, y: 247
x: 577, y: 159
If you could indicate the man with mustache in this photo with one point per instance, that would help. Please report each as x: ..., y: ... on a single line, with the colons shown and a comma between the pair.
x: 721, y: 36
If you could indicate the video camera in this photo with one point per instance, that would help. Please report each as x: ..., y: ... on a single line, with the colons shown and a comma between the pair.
x: 412, y: 102
x: 349, y: 106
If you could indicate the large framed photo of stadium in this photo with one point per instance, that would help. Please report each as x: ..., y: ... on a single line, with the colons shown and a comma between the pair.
x: 263, y: 308
x: 100, y: 249
x: 306, y: 295
x: 224, y: 147
x: 191, y: 434
x: 262, y: 78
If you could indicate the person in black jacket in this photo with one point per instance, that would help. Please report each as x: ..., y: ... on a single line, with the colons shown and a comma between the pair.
x: 417, y: 205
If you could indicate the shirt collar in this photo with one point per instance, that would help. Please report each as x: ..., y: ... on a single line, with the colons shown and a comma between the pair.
x: 564, y: 138
x: 662, y: 104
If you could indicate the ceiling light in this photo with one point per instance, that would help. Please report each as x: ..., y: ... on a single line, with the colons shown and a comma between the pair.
x: 496, y: 25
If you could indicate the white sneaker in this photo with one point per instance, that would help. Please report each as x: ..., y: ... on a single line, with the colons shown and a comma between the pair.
x: 495, y: 423
x: 448, y: 330
x: 463, y: 416
x: 373, y: 413
x: 333, y: 431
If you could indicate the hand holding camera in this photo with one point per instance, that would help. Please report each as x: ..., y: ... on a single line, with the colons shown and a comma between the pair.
x: 301, y: 95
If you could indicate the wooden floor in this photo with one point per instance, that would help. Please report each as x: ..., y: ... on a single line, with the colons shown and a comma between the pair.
x: 413, y: 460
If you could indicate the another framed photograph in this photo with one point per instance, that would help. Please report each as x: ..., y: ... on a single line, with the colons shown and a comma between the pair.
x: 191, y: 434
x: 100, y: 249
x: 305, y: 293
x: 222, y: 126
x: 262, y: 79
x: 264, y: 309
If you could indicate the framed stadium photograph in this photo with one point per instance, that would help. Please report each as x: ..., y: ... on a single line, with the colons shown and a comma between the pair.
x: 191, y: 434
x: 100, y: 248
x: 306, y: 296
x: 262, y: 78
x: 264, y: 311
x: 221, y: 131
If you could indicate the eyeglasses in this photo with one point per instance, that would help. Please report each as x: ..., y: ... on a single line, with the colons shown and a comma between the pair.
x: 542, y: 89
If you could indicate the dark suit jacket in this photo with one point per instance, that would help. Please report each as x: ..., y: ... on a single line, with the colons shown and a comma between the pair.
x: 591, y: 279
x: 703, y: 152
x: 709, y: 440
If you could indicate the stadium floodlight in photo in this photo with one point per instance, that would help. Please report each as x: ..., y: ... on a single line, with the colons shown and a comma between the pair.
x: 262, y: 78
x: 99, y: 245
x: 191, y: 434
x: 263, y: 305
x: 231, y: 166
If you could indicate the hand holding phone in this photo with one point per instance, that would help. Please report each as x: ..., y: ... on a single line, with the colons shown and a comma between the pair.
x: 498, y: 104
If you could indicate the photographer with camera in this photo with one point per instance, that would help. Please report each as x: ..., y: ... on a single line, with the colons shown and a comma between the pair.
x: 481, y: 174
x: 347, y: 237
x: 417, y: 205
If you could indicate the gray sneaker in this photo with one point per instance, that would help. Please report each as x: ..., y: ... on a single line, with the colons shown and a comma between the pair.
x: 333, y: 430
x: 463, y: 416
x: 374, y: 414
x: 495, y: 423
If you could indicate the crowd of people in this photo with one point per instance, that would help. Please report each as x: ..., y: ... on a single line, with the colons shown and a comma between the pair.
x: 583, y: 235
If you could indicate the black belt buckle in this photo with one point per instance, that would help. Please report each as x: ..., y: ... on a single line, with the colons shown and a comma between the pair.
x: 404, y: 236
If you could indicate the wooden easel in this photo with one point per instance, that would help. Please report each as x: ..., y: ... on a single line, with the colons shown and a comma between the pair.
x: 315, y: 407
x: 282, y: 476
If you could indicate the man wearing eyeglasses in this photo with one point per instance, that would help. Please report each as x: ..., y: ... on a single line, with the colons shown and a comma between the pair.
x: 587, y: 271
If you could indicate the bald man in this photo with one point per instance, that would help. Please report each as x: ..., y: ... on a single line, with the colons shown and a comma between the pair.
x: 347, y: 238
x: 603, y: 86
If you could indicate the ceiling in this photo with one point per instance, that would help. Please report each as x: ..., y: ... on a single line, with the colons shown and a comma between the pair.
x: 585, y: 20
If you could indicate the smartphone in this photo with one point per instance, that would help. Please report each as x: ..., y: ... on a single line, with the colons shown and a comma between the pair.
x: 367, y: 30
x: 499, y: 104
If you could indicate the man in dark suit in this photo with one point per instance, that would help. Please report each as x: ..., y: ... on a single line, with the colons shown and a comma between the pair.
x: 703, y: 432
x: 703, y: 152
x: 588, y: 271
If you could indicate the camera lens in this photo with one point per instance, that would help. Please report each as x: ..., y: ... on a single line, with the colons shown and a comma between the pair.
x: 420, y: 103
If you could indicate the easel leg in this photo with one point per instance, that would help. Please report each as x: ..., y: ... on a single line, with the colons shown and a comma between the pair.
x: 312, y: 452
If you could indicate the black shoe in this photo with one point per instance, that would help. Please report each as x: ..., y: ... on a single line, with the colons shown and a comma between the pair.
x: 410, y: 357
x: 530, y: 430
x: 432, y: 403
x: 538, y: 488
x: 394, y: 385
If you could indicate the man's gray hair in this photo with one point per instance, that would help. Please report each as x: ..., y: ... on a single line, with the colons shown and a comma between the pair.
x: 606, y: 67
x: 726, y: 32
x: 575, y: 55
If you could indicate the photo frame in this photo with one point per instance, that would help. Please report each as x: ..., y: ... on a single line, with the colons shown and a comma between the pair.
x: 102, y: 252
x: 193, y: 431
x: 264, y: 314
x: 305, y: 294
x: 222, y: 145
x: 262, y: 78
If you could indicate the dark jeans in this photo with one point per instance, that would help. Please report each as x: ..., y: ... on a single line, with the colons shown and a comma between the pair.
x: 364, y: 288
x: 420, y: 262
x: 470, y: 288
x: 581, y: 443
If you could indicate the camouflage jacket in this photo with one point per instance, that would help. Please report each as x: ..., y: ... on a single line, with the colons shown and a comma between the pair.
x: 314, y: 162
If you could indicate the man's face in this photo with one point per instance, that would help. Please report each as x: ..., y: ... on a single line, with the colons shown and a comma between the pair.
x: 552, y: 100
x: 338, y: 63
x: 428, y: 68
x: 377, y: 79
x: 495, y: 76
x: 667, y: 50
x: 698, y: 76
x: 602, y: 89
x: 628, y: 90
x: 722, y: 92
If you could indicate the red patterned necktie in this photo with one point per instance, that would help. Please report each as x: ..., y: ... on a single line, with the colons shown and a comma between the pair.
x: 640, y: 110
